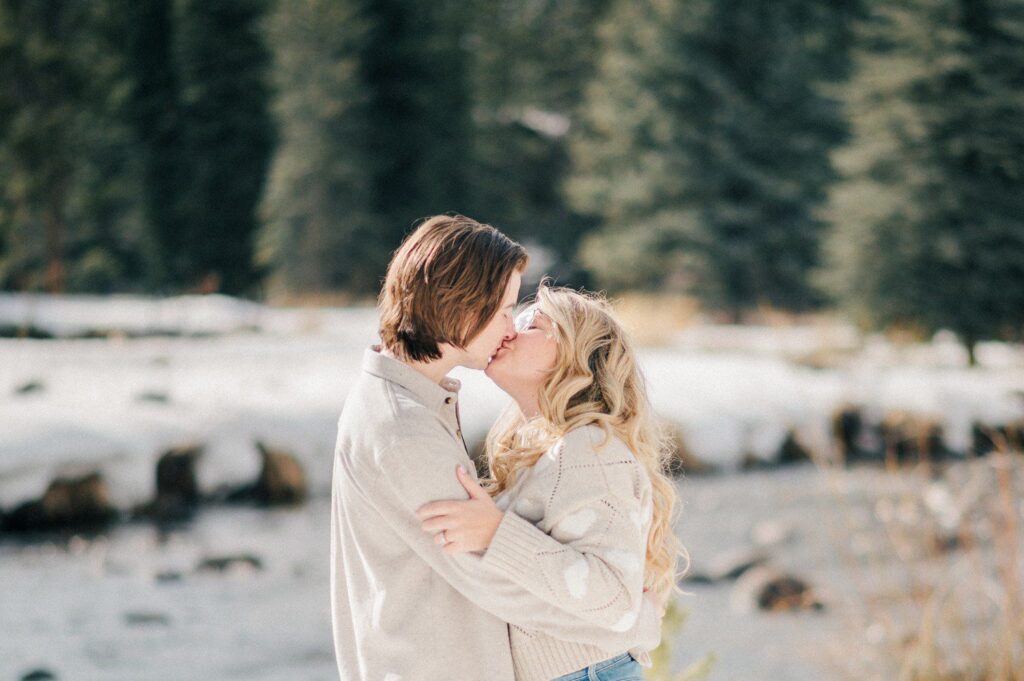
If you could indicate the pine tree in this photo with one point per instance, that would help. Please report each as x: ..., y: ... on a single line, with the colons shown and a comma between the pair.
x: 414, y: 66
x: 531, y: 62
x: 705, y: 151
x: 68, y: 214
x: 320, y: 232
x: 155, y: 111
x: 931, y: 215
x: 374, y: 106
x: 228, y: 137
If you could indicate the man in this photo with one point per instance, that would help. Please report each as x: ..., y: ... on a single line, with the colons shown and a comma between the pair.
x: 402, y: 608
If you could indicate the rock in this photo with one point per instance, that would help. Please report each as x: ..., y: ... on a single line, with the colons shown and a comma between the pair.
x: 941, y: 542
x: 853, y: 440
x: 792, y: 451
x: 176, y: 474
x: 846, y: 425
x: 39, y: 675
x: 243, y: 561
x: 177, y: 492
x: 766, y: 588
x: 23, y: 331
x: 168, y: 577
x: 988, y: 438
x: 696, y: 577
x: 751, y: 462
x: 68, y: 504
x: 29, y: 387
x: 134, y: 619
x: 912, y: 438
x: 281, y: 481
x: 731, y: 564
x: 153, y: 396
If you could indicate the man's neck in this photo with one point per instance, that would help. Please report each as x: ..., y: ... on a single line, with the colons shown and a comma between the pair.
x: 435, y: 370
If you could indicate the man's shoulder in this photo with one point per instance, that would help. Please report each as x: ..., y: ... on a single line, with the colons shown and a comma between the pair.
x: 384, y: 413
x: 377, y: 399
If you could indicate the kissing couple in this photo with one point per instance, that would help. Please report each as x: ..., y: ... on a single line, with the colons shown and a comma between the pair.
x: 556, y: 565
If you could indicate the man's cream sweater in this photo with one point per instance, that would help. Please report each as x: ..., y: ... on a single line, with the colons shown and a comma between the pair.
x: 402, y: 609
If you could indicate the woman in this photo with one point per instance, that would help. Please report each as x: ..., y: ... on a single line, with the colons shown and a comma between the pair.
x: 577, y: 460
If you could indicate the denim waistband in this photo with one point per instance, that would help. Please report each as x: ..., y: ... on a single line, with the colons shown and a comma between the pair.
x: 584, y: 674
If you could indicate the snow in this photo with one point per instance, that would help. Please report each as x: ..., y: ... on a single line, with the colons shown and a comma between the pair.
x: 233, y: 371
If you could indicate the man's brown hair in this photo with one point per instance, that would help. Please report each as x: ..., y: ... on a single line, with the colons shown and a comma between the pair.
x: 444, y: 283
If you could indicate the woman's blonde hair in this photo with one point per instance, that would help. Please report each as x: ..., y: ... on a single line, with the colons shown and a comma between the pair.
x: 596, y: 380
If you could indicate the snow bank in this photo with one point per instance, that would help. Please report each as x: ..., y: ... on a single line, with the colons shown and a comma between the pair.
x: 117, y: 403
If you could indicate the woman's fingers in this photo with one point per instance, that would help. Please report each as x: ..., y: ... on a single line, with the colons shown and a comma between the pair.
x: 437, y: 508
x: 471, y: 486
x: 438, y: 523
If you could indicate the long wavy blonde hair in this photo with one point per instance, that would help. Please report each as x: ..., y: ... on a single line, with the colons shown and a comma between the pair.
x: 596, y: 380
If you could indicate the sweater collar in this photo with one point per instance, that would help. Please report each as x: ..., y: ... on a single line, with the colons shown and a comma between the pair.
x: 433, y: 395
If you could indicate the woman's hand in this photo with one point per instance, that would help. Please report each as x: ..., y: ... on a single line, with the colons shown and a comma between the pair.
x: 467, y: 525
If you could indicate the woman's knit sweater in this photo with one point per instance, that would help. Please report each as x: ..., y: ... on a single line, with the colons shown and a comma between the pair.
x: 575, y: 529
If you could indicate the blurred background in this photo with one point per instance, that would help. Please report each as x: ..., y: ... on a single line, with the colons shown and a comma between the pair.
x: 810, y: 213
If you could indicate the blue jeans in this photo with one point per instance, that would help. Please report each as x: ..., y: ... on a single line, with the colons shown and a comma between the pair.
x: 619, y: 668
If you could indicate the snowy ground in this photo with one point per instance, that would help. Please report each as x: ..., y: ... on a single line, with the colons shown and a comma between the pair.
x: 239, y: 371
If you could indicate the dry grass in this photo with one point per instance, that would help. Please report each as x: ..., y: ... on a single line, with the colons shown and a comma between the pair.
x: 319, y: 299
x: 949, y: 605
x: 653, y: 318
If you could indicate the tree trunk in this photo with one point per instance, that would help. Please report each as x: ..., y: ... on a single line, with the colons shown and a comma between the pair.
x: 972, y: 359
x: 55, y: 243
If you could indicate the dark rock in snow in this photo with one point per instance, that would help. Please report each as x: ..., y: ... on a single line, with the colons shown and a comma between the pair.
x: 281, y: 481
x: 751, y: 462
x: 245, y: 561
x: 792, y: 450
x: 153, y: 396
x: 135, y: 619
x: 177, y: 491
x: 168, y: 576
x: 81, y: 503
x: 732, y: 564
x: 987, y: 438
x: 39, y: 675
x: 853, y: 439
x: 24, y: 331
x: 912, y: 438
x: 765, y: 588
x: 30, y: 387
